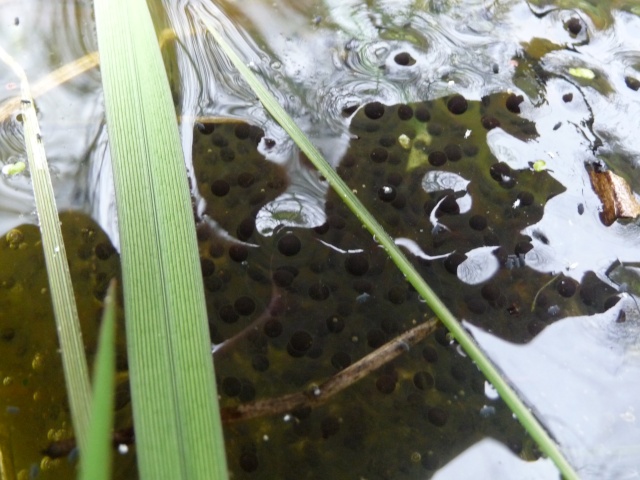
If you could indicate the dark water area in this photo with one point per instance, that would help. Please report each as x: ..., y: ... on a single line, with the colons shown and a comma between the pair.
x: 468, y: 128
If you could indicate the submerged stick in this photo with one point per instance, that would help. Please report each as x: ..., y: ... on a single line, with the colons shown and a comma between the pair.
x: 341, y: 380
x: 311, y: 398
x: 227, y: 346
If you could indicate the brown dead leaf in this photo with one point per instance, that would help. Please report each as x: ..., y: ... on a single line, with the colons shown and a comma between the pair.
x: 618, y: 200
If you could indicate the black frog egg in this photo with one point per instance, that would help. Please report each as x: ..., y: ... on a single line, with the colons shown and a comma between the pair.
x: 430, y: 354
x: 525, y: 198
x: 299, y: 343
x: 501, y: 172
x: 437, y: 158
x: 423, y: 380
x: 405, y: 112
x: 404, y: 59
x: 272, y: 328
x: 238, y: 253
x: 357, y: 264
x: 242, y: 131
x: 422, y: 113
x: 513, y: 102
x: 245, y: 229
x: 453, y: 152
x: 567, y: 287
x: 205, y: 128
x: 374, y: 110
x: 289, y: 245
x: 632, y: 83
x: 227, y: 314
x: 573, y: 25
x: 246, y: 179
x: 319, y: 291
x: 457, y: 105
x: 207, y: 267
x: 490, y: 292
x: 231, y: 386
x: 478, y: 222
x: 489, y: 122
x: 448, y: 206
x: 283, y: 277
x: 103, y: 250
x: 387, y: 193
x: 244, y: 305
x: 335, y: 324
x: 452, y: 261
x: 379, y: 154
x: 437, y: 416
x: 220, y: 188
x: 260, y: 363
x: 219, y: 141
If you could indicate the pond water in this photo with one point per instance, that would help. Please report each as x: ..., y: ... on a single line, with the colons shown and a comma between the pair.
x: 537, y: 287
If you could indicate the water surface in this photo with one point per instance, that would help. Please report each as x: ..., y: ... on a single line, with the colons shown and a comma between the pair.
x: 323, y: 60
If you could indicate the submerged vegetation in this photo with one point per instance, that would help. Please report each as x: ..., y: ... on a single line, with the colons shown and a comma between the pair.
x: 327, y: 361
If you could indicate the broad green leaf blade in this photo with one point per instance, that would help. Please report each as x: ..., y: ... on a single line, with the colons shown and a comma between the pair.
x: 74, y: 361
x: 175, y: 406
x: 531, y: 424
x: 95, y: 461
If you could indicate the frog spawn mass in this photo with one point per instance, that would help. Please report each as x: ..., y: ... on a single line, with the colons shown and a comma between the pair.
x: 33, y: 398
x: 289, y: 310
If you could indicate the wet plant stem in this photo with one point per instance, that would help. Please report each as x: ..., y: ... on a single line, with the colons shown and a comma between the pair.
x: 535, y: 299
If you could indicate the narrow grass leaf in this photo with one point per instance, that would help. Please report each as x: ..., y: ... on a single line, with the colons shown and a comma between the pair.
x: 53, y: 80
x: 74, y: 361
x: 528, y: 420
x: 95, y: 461
x: 175, y: 403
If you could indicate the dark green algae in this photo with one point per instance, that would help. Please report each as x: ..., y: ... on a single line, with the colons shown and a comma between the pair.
x: 295, y: 307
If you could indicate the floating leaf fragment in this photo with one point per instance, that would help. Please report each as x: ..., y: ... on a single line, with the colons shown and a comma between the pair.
x: 404, y: 141
x: 12, y: 169
x: 581, y: 72
x: 618, y: 200
x: 539, y: 166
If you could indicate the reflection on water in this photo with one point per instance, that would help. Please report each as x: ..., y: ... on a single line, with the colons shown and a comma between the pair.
x: 580, y: 374
x: 323, y: 60
x: 43, y: 37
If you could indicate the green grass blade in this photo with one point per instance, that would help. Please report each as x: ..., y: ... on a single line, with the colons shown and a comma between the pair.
x: 95, y: 461
x: 528, y: 420
x: 74, y: 361
x: 175, y: 403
